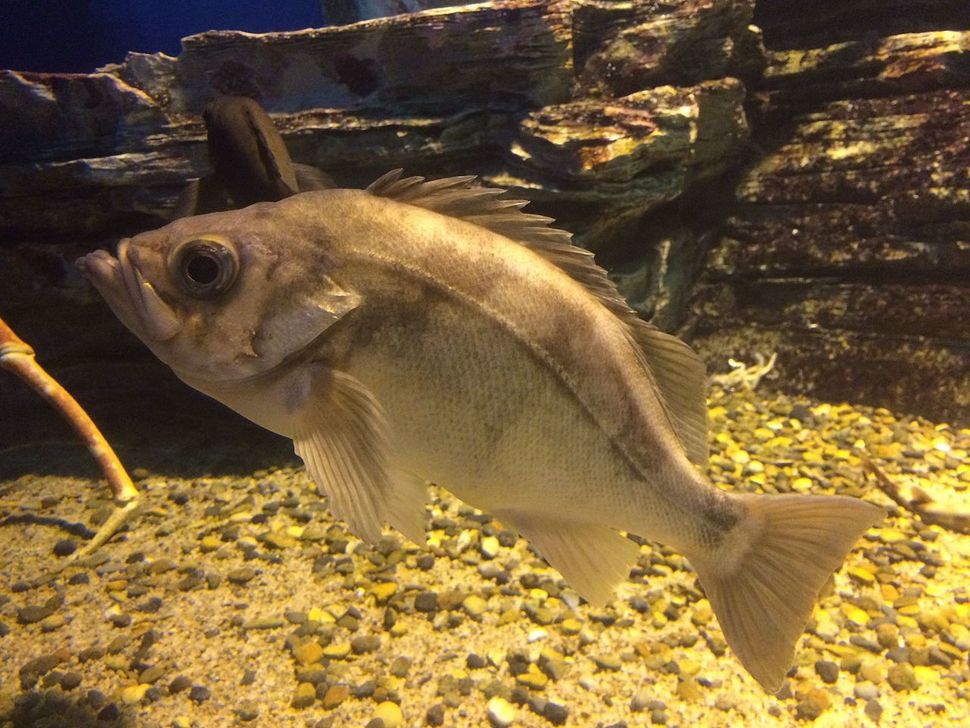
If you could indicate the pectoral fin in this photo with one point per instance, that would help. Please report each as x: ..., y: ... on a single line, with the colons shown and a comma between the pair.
x: 593, y: 559
x: 342, y: 438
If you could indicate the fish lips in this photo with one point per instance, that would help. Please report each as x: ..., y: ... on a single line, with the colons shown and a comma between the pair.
x: 133, y: 299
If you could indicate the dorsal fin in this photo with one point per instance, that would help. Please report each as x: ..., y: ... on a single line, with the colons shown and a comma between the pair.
x: 675, y: 369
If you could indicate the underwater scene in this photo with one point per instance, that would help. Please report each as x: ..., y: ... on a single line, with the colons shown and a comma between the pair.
x: 519, y: 363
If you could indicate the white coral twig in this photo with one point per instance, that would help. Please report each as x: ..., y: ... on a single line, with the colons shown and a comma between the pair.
x: 743, y: 375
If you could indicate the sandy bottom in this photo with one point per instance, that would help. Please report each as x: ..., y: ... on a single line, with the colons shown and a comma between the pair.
x: 235, y: 600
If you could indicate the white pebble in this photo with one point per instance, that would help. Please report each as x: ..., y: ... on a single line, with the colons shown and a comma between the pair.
x: 501, y: 713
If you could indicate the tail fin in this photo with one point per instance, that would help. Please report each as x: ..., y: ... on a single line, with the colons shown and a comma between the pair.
x: 765, y: 578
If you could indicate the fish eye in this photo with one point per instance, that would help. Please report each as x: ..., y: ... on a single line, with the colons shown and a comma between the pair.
x: 205, y: 267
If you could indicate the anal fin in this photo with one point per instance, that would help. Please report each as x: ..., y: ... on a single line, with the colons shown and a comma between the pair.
x: 593, y: 559
x: 405, y: 507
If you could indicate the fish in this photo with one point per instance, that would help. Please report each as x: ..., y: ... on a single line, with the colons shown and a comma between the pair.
x: 434, y: 332
x: 250, y: 161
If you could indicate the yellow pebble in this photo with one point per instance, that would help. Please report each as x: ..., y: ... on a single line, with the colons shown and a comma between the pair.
x: 861, y: 575
x: 570, y: 626
x: 320, y: 615
x: 802, y: 484
x: 383, y: 591
x: 133, y: 693
x: 532, y: 678
x: 308, y: 652
x: 390, y: 714
x: 337, y: 651
x: 854, y: 614
x: 295, y: 531
x: 702, y: 613
x: 210, y: 543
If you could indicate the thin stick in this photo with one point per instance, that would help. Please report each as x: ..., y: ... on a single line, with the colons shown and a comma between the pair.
x: 920, y: 503
x: 16, y: 356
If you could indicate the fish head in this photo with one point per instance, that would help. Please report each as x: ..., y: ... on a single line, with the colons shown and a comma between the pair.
x: 224, y: 296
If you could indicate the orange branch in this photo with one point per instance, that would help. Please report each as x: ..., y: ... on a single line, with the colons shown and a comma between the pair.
x: 16, y: 356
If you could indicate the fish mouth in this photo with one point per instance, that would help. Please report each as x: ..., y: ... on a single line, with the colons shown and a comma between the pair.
x: 133, y: 299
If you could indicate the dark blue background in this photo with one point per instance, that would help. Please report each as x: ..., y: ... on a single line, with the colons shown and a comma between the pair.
x: 80, y: 35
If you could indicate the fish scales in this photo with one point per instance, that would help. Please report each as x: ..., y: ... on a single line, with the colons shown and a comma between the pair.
x: 525, y: 326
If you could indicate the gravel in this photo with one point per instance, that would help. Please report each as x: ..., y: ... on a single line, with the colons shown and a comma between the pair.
x: 233, y: 598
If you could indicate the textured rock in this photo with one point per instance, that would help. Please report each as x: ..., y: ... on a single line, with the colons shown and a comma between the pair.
x: 848, y: 248
x: 622, y: 47
x: 406, y: 62
x: 624, y: 120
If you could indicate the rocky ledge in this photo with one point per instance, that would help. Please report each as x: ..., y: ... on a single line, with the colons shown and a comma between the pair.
x: 808, y: 199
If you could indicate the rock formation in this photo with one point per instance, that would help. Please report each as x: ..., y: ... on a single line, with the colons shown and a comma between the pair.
x: 820, y: 186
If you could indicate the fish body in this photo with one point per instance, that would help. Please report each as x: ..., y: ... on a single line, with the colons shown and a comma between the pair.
x: 250, y: 161
x: 430, y: 331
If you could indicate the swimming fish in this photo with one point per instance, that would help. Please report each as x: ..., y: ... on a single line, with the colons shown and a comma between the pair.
x: 250, y: 161
x: 431, y: 331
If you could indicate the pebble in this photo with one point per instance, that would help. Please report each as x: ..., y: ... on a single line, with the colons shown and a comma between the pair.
x: 641, y: 700
x: 383, y: 591
x: 815, y: 702
x: 65, y: 547
x: 689, y: 690
x: 151, y: 674
x: 120, y: 620
x: 119, y: 643
x: 199, y: 693
x: 133, y: 694
x: 555, y: 713
x: 400, y: 666
x: 489, y: 547
x: 94, y: 652
x: 887, y: 635
x: 53, y: 622
x: 390, y: 713
x: 611, y: 662
x: 110, y: 712
x: 70, y: 680
x: 501, y: 713
x: 247, y: 711
x: 474, y: 605
x: 33, y: 613
x: 335, y: 695
x: 901, y: 677
x: 426, y: 602
x: 827, y: 670
x: 308, y: 652
x: 179, y: 683
x: 242, y: 575
x: 160, y: 566
x: 305, y: 696
x: 435, y: 715
x: 363, y: 644
x: 337, y: 650
x: 873, y: 710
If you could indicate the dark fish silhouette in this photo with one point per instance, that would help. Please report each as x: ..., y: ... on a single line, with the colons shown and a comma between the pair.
x: 249, y: 159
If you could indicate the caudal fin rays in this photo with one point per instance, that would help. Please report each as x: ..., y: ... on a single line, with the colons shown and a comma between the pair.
x: 764, y: 592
